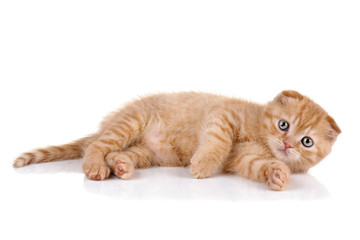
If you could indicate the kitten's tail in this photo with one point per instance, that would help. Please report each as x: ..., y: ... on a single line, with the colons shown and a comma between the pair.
x: 68, y: 151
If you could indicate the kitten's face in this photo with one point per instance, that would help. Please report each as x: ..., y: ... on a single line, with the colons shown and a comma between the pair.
x: 298, y: 131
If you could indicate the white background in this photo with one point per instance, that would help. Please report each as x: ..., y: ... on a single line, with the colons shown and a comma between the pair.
x: 65, y: 64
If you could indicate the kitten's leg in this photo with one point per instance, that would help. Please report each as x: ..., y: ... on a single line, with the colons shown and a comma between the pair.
x: 118, y: 135
x: 123, y: 163
x: 215, y: 144
x: 251, y: 161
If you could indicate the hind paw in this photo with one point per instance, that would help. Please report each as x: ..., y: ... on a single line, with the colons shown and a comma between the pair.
x: 124, y: 169
x: 120, y: 164
x: 96, y: 171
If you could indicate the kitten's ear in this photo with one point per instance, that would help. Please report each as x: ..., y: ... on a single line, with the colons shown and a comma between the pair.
x: 284, y: 96
x: 334, y: 130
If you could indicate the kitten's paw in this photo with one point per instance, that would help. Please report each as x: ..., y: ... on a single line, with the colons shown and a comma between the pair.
x: 278, y: 176
x: 96, y: 171
x: 202, y: 168
x: 124, y: 169
x: 120, y: 164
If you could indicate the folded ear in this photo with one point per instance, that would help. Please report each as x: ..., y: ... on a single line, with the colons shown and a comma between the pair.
x: 285, y: 95
x: 334, y: 130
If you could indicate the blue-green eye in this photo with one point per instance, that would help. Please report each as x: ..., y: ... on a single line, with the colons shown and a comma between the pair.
x: 307, y: 142
x: 283, y: 125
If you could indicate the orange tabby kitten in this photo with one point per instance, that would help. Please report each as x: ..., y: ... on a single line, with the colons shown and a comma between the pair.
x: 264, y: 143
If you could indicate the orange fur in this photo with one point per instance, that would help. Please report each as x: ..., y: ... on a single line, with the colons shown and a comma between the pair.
x: 207, y: 132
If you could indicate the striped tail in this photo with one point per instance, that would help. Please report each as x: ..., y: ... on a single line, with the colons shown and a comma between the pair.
x: 68, y: 151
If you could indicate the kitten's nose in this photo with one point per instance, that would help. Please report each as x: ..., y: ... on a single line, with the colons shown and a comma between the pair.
x: 288, y: 145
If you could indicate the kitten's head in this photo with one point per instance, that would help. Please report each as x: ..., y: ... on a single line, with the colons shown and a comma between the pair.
x: 298, y: 131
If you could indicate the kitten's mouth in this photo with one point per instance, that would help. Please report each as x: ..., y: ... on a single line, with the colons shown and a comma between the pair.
x: 287, y: 154
x: 280, y: 151
x: 284, y: 152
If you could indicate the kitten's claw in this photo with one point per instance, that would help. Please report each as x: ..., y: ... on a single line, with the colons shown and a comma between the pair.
x: 96, y: 171
x: 278, y: 176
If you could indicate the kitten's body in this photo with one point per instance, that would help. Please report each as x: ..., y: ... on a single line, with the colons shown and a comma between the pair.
x: 206, y: 131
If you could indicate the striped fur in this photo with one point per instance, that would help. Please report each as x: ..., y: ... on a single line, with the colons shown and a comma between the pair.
x: 69, y: 151
x: 208, y: 132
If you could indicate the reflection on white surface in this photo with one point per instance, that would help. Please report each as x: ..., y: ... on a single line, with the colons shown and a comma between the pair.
x: 177, y: 183
x: 69, y: 166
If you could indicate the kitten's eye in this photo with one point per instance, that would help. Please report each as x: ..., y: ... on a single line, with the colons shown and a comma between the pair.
x: 307, y: 142
x: 284, y: 125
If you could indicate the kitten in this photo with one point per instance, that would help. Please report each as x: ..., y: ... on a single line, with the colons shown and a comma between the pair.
x: 264, y: 143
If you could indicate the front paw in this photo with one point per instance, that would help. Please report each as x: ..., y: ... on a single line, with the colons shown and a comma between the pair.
x: 278, y: 176
x: 96, y: 171
x: 203, y: 168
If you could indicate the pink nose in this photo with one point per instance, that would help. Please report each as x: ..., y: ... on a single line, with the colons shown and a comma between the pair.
x: 288, y: 145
